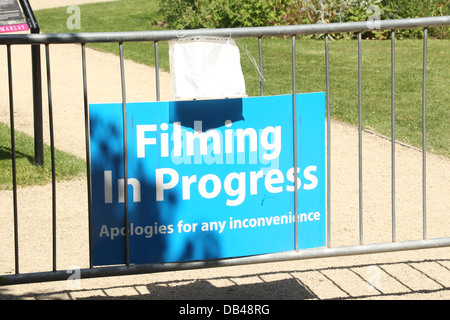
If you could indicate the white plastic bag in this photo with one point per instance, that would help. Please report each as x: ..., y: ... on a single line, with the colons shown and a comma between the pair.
x: 205, y: 67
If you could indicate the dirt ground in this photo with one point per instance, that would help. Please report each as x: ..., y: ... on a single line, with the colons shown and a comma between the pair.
x: 417, y: 274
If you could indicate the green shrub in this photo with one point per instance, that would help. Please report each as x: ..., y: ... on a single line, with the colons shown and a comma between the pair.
x: 192, y: 14
x: 333, y: 11
x: 420, y: 8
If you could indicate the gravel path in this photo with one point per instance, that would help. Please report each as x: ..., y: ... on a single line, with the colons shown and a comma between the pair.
x: 422, y: 274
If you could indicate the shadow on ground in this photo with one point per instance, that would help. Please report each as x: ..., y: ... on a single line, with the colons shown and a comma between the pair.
x: 386, y: 280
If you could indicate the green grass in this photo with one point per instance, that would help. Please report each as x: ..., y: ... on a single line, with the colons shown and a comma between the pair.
x: 376, y: 84
x: 133, y: 15
x: 67, y: 166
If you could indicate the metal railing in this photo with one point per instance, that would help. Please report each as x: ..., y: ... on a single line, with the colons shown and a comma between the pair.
x: 257, y: 32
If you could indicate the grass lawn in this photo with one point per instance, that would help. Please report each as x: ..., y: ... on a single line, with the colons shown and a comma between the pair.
x: 137, y: 15
x: 134, y: 15
x: 66, y: 166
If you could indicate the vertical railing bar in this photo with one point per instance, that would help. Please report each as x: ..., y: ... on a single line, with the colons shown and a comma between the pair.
x: 52, y: 150
x: 13, y: 159
x: 261, y: 67
x: 125, y: 155
x: 294, y: 116
x: 393, y: 134
x: 424, y: 134
x: 360, y: 137
x: 158, y: 94
x: 88, y: 151
x: 327, y: 68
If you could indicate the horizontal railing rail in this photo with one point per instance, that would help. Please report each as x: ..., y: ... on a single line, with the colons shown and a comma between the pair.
x: 271, y: 31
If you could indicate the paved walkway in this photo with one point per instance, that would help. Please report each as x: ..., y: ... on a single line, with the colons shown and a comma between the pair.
x: 45, y: 4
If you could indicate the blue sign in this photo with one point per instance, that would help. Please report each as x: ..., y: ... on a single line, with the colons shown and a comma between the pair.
x: 207, y: 179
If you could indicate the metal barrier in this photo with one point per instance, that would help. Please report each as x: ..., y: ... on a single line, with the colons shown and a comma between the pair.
x: 257, y: 32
